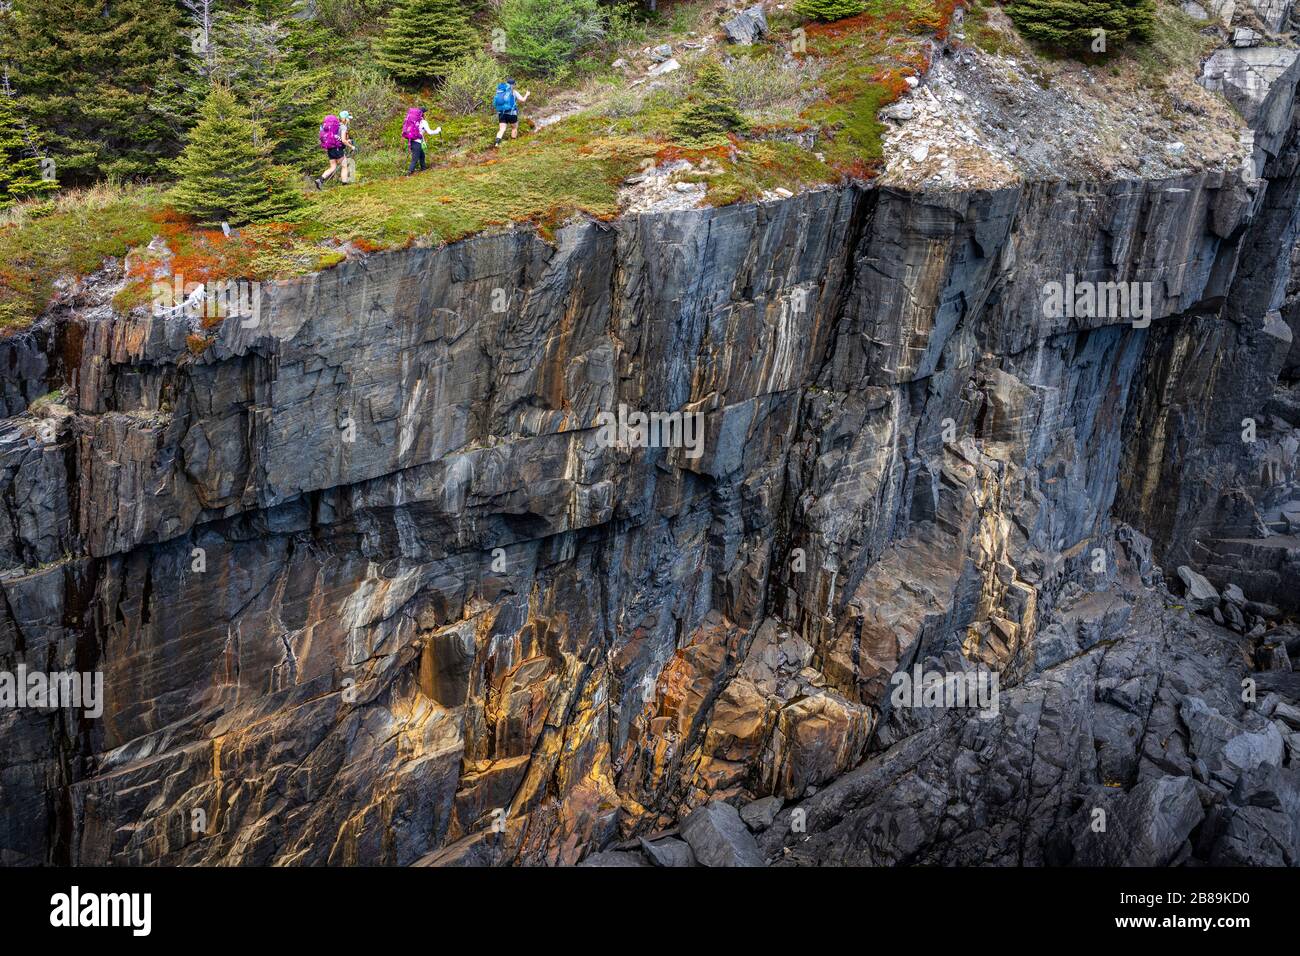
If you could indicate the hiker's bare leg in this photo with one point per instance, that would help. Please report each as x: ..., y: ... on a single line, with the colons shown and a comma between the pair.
x: 514, y: 130
x: 334, y: 164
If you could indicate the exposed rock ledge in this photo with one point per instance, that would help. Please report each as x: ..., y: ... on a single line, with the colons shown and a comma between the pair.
x: 437, y: 620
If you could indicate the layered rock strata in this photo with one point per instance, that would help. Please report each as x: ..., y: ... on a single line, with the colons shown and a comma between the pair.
x: 367, y: 583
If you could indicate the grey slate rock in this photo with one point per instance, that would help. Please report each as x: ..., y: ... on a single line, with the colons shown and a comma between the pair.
x: 747, y: 27
x: 1226, y: 745
x: 760, y: 814
x: 1244, y: 37
x: 901, y: 111
x: 669, y: 851
x: 1289, y: 714
x: 1260, y: 82
x: 1145, y: 827
x: 616, y: 858
x: 1201, y: 595
x: 720, y: 838
x: 1272, y: 14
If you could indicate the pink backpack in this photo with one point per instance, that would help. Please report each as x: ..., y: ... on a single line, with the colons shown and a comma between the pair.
x: 411, y: 128
x: 329, y: 133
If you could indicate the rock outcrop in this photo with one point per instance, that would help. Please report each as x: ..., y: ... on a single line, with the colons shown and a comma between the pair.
x: 368, y: 582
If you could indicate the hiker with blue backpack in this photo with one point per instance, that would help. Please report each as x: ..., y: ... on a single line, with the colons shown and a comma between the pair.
x: 506, y: 103
x: 414, y: 129
x: 335, y: 141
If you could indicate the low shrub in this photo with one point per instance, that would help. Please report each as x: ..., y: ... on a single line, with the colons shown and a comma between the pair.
x: 544, y: 37
x: 470, y: 83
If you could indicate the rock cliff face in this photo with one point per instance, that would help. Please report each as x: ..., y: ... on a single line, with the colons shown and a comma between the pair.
x: 367, y: 585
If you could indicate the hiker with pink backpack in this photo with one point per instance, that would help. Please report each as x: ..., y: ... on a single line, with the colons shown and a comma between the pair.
x: 414, y: 130
x: 335, y: 141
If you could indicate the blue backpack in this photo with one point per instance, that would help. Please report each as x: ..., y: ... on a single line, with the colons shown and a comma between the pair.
x: 504, y: 101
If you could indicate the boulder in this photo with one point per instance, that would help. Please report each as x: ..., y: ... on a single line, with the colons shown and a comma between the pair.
x: 1147, y: 826
x: 720, y: 838
x: 1273, y: 656
x: 747, y: 27
x: 900, y: 112
x: 1137, y: 548
x: 1289, y: 714
x: 1244, y: 37
x: 1235, y: 619
x: 1201, y: 595
x: 1259, y: 82
x: 1224, y: 744
x: 667, y: 66
x: 1260, y: 824
x: 1272, y: 13
x: 669, y: 851
x: 760, y: 814
x: 1261, y: 609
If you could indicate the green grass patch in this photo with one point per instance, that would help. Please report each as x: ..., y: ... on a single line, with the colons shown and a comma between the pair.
x: 544, y: 179
x: 759, y: 168
x: 858, y: 132
x: 70, y: 236
x: 1177, y: 44
x: 981, y: 33
x: 865, y: 62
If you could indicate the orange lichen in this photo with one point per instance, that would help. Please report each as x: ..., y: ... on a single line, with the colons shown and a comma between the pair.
x: 197, y: 344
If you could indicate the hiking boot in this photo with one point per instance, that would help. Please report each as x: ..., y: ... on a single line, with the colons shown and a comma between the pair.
x: 317, y: 182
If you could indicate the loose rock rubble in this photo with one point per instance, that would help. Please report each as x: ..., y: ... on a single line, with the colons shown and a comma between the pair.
x: 982, y: 120
x: 657, y: 189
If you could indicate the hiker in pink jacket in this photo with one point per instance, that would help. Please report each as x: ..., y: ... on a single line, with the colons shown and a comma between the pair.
x: 413, y: 131
x: 335, y: 141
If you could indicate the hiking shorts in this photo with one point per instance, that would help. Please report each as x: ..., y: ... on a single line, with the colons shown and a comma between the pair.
x: 510, y: 118
x: 336, y: 152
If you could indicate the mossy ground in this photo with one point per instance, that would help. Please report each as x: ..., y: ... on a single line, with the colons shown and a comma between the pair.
x: 68, y: 236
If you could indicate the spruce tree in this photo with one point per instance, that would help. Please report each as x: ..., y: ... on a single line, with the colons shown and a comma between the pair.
x: 226, y: 172
x: 422, y: 38
x: 20, y: 171
x: 285, y: 95
x: 1073, y: 24
x: 709, y: 113
x: 827, y: 10
x: 96, y: 79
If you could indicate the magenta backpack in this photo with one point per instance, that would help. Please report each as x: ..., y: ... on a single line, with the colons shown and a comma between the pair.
x: 329, y: 133
x: 411, y: 128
